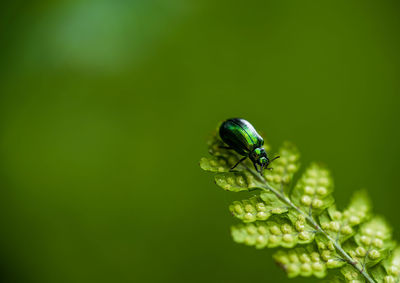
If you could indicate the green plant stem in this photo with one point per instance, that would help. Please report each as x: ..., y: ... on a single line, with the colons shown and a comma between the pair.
x: 346, y: 257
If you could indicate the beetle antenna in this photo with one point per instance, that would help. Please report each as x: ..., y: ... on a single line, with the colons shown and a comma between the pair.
x: 276, y: 157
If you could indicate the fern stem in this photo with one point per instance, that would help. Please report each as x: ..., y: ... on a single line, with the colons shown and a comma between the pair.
x: 312, y: 221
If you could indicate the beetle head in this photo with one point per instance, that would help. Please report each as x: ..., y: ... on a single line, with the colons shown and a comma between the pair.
x: 259, y: 156
x: 264, y: 162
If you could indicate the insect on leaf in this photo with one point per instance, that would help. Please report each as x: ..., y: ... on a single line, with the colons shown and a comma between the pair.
x: 315, y: 235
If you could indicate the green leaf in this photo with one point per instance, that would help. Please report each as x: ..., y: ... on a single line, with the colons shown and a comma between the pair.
x: 283, y: 168
x: 302, y: 261
x: 379, y: 274
x: 312, y: 193
x: 392, y: 264
x: 277, y: 231
x: 237, y: 181
x: 257, y: 207
x: 306, y: 233
x: 221, y: 159
x: 310, y: 227
x: 328, y: 252
x: 341, y: 225
x: 371, y: 243
x: 215, y: 164
x: 333, y: 279
x: 389, y: 270
x: 351, y: 275
x: 216, y: 147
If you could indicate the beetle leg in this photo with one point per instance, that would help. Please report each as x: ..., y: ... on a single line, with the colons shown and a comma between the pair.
x: 238, y: 162
x: 255, y: 166
x: 225, y: 147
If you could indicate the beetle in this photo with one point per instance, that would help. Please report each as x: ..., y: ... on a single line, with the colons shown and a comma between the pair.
x: 243, y: 138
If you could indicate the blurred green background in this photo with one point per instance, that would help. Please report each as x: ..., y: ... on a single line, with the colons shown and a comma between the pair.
x: 106, y: 106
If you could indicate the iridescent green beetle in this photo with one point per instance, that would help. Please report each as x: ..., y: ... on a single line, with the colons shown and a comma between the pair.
x: 241, y: 136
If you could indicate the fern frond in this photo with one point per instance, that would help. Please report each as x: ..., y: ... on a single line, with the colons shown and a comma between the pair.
x: 302, y: 219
